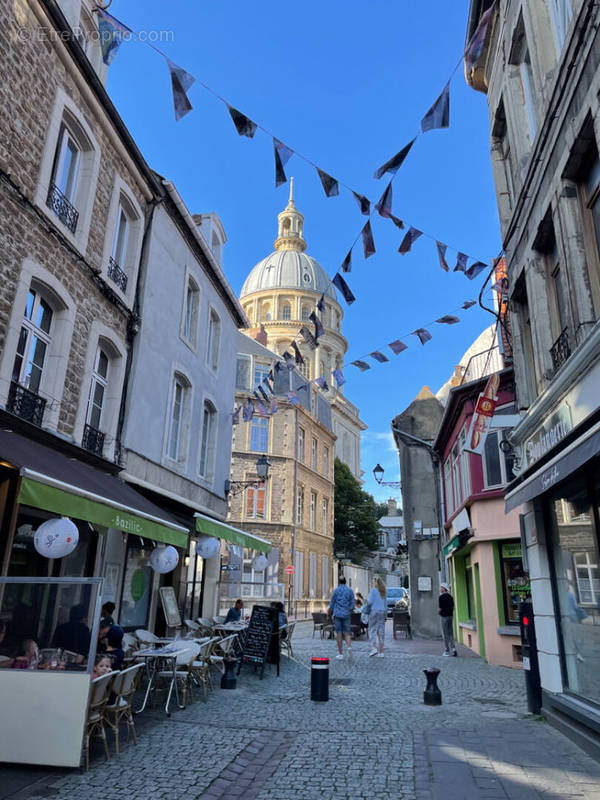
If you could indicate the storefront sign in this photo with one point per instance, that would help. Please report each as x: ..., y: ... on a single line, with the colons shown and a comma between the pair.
x: 484, y: 411
x: 547, y: 436
x: 424, y: 583
x: 512, y: 550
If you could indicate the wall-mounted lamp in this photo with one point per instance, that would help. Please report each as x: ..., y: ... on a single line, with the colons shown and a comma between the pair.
x: 262, y: 471
x: 378, y: 475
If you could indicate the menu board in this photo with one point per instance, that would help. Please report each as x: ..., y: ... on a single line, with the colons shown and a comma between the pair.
x: 262, y: 639
x: 169, y: 605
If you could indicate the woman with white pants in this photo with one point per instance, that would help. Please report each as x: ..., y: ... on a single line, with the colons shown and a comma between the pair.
x: 377, y: 617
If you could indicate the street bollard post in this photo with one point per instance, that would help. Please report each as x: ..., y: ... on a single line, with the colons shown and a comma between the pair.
x: 319, y: 679
x: 228, y: 679
x: 432, y: 695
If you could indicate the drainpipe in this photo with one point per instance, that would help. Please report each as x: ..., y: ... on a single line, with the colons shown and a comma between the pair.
x: 294, y: 511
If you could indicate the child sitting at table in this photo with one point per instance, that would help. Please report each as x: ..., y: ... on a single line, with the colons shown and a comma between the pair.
x: 114, y: 646
x: 102, y: 667
x: 28, y: 657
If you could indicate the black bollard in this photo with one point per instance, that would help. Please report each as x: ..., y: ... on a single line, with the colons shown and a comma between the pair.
x: 432, y: 695
x: 319, y: 679
x: 228, y: 679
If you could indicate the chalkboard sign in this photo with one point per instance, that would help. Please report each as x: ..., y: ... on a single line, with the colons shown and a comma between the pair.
x: 261, y: 645
x: 169, y: 605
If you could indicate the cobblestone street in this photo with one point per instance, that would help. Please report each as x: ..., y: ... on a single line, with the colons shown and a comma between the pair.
x: 373, y: 740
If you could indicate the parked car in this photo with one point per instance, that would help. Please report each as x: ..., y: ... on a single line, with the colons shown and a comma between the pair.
x: 396, y: 595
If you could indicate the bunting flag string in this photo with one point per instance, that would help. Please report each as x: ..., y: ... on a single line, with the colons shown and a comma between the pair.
x: 114, y: 32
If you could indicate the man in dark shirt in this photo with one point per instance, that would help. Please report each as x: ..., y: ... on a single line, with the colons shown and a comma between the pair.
x: 234, y: 614
x: 446, y: 610
x: 74, y: 635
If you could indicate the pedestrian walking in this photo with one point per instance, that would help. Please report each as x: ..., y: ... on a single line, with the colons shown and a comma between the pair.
x: 446, y: 610
x: 341, y: 606
x: 377, y: 611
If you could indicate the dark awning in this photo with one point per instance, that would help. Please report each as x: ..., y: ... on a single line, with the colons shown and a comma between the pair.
x: 63, y: 485
x: 556, y: 470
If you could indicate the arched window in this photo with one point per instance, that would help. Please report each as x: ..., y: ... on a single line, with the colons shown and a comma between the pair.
x: 123, y: 248
x: 207, y: 447
x: 179, y: 402
x: 286, y: 311
x: 34, y: 341
x: 214, y: 339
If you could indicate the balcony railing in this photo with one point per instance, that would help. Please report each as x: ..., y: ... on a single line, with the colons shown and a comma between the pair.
x: 116, y: 274
x: 25, y: 404
x: 93, y: 440
x: 62, y: 207
x: 560, y: 350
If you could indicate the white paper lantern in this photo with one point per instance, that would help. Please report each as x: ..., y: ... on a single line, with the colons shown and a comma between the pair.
x: 164, y: 559
x: 56, y: 538
x: 259, y: 563
x: 207, y: 546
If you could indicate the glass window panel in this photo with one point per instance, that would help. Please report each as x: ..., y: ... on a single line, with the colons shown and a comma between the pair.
x: 102, y: 368
x: 175, y: 426
x: 491, y: 454
x: 261, y: 371
x: 242, y: 377
x: 18, y: 363
x: 259, y: 434
x: 34, y: 368
x: 576, y: 560
x: 137, y: 589
x: 43, y: 316
x: 29, y: 304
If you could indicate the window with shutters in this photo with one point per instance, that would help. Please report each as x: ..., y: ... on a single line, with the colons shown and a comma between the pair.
x: 256, y: 502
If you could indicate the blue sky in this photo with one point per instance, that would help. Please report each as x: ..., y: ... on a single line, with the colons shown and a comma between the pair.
x: 346, y: 84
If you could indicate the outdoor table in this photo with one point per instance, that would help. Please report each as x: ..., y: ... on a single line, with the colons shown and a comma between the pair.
x: 231, y: 627
x: 152, y: 656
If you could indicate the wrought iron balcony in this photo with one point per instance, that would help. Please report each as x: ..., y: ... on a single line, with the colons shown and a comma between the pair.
x: 25, y: 404
x: 62, y: 207
x: 93, y: 440
x: 116, y: 274
x: 560, y: 350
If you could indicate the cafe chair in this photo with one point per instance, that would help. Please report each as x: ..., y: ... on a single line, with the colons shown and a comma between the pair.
x: 201, y: 667
x: 124, y: 688
x: 183, y: 672
x: 321, y: 623
x: 286, y: 642
x: 146, y: 637
x: 193, y: 627
x: 99, y: 694
x: 221, y: 649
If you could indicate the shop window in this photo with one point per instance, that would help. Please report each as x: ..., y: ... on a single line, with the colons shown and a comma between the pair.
x: 256, y: 497
x: 259, y: 434
x: 515, y: 580
x: 253, y: 581
x: 137, y: 585
x: 209, y: 435
x: 576, y: 556
x: 242, y: 374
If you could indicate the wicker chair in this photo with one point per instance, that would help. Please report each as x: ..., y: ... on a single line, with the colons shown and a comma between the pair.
x: 286, y: 641
x: 124, y: 688
x: 99, y: 694
x: 146, y: 637
x: 200, y: 667
x: 220, y: 649
x: 321, y: 622
x: 183, y: 671
x: 401, y: 624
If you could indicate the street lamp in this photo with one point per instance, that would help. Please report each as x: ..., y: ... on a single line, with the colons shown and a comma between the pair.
x: 262, y: 471
x: 378, y: 475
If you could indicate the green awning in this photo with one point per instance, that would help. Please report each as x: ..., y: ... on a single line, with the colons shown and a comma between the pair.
x: 72, y: 501
x: 211, y: 527
x: 451, y: 546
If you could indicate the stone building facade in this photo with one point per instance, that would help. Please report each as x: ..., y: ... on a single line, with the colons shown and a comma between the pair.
x: 294, y: 509
x: 540, y: 70
x: 279, y: 294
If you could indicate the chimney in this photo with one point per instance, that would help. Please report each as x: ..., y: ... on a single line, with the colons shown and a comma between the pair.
x: 258, y: 334
x: 392, y: 508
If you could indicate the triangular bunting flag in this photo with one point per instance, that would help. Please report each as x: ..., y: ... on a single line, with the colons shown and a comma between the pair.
x: 319, y: 329
x: 181, y: 81
x: 438, y: 115
x: 394, y: 164
x: 321, y: 303
x: 378, y: 356
x: 477, y: 41
x: 384, y: 204
x: 274, y: 405
x: 338, y: 377
x: 248, y: 410
x: 461, y: 262
x: 269, y: 385
x: 261, y: 405
x: 468, y: 304
x: 264, y: 394
x: 289, y: 360
x: 111, y: 33
x: 347, y: 262
x: 362, y: 365
x: 410, y: 237
x: 367, y: 238
x: 344, y: 288
x: 271, y: 377
x: 297, y: 354
x: 397, y: 222
x: 330, y: 186
x: 282, y: 156
x: 243, y: 124
x: 474, y: 270
x: 363, y: 203
x: 293, y: 398
x: 303, y: 387
x: 441, y: 249
x: 397, y: 347
x: 423, y: 334
x: 448, y: 319
x: 308, y: 337
x: 278, y: 367
x: 322, y: 384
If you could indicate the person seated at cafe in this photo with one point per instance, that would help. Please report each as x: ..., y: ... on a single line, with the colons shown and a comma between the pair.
x: 234, y: 614
x: 114, y: 646
x: 74, y: 635
x: 282, y: 618
x: 106, y: 623
x: 103, y: 666
x: 28, y: 656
